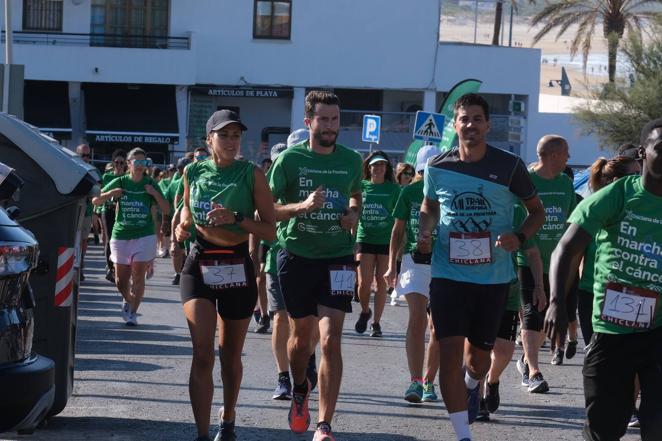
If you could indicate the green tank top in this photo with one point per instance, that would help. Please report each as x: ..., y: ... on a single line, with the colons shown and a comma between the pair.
x: 231, y: 187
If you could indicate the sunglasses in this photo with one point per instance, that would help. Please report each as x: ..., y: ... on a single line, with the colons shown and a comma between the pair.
x: 201, y: 157
x: 86, y: 155
x: 119, y: 162
x: 408, y: 173
x: 139, y: 162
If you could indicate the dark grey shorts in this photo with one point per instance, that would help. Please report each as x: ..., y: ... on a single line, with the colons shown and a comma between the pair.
x: 274, y: 294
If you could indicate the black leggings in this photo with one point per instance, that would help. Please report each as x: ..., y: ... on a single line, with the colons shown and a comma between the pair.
x: 109, y: 214
x: 585, y: 312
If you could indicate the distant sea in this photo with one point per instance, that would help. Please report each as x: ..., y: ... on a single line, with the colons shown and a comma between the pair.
x: 596, y: 65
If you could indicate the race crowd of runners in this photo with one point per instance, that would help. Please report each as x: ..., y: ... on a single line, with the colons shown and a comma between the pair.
x: 484, y: 250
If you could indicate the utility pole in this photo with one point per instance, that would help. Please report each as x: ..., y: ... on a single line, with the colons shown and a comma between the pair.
x: 8, y: 57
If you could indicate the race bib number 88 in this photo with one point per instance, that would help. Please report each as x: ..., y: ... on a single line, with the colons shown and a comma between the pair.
x: 343, y: 280
x: 470, y: 248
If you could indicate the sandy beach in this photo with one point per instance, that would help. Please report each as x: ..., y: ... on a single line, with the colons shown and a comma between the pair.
x: 555, y: 53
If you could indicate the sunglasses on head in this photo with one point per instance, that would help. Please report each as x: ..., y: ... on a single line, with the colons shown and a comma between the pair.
x: 139, y: 162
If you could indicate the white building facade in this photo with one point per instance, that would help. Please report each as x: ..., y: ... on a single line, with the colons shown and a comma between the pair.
x: 126, y: 73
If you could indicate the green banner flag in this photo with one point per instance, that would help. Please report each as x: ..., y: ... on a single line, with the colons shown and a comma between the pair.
x: 446, y: 109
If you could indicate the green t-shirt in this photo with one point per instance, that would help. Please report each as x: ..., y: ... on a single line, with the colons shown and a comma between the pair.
x: 558, y: 198
x: 299, y: 171
x: 625, y: 221
x: 231, y: 187
x: 105, y: 179
x: 586, y: 282
x: 408, y: 208
x: 376, y: 220
x: 270, y: 265
x: 134, y: 217
x: 164, y: 184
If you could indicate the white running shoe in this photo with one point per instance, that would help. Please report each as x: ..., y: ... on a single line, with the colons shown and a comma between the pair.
x: 126, y: 311
x: 133, y: 319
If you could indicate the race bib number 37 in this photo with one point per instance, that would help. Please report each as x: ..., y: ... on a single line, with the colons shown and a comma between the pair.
x: 470, y: 248
x: 224, y: 274
x: 343, y: 280
x: 630, y: 307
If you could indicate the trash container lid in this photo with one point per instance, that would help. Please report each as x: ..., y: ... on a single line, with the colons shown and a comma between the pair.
x: 64, y: 167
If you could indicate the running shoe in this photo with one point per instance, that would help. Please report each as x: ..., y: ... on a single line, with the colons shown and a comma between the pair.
x: 557, y: 360
x: 492, y: 398
x: 415, y: 392
x: 126, y: 312
x: 429, y: 395
x: 133, y: 319
x: 362, y: 323
x: 483, y: 413
x: 175, y: 280
x: 299, y: 416
x: 634, y: 420
x: 110, y: 276
x: 571, y: 349
x: 263, y: 325
x: 257, y: 315
x: 311, y: 372
x: 537, y: 384
x: 523, y: 369
x: 473, y: 403
x: 323, y: 433
x: 375, y: 330
x: 283, y: 389
x: 226, y: 432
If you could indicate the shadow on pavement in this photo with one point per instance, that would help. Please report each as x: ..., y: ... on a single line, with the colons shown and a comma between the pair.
x: 100, y: 364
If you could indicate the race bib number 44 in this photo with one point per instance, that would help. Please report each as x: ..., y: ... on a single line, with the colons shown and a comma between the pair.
x: 343, y: 280
x: 628, y: 306
x: 224, y: 274
x: 470, y: 248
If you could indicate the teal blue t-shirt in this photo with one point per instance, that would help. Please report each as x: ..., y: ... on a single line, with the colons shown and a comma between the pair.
x: 476, y: 201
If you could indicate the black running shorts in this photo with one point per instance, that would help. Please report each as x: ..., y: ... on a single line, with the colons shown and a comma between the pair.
x: 307, y: 283
x: 468, y: 309
x: 228, y: 280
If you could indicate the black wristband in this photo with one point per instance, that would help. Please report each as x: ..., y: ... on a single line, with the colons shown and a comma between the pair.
x: 238, y: 217
x: 521, y: 237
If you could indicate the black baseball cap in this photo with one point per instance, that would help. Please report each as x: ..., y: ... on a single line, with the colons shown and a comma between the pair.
x: 222, y: 118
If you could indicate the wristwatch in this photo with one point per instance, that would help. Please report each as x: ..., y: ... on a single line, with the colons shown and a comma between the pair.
x: 521, y: 237
x: 238, y: 217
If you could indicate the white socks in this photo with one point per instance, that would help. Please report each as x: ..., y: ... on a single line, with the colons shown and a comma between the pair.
x: 460, y: 421
x: 470, y: 382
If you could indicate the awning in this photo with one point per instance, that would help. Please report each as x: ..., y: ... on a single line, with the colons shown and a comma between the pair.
x: 131, y: 113
x: 46, y: 105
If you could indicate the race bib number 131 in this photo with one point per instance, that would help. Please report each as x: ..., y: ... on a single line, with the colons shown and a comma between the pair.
x: 628, y: 306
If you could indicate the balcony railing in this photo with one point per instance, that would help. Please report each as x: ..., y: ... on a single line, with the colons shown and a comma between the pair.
x: 100, y: 40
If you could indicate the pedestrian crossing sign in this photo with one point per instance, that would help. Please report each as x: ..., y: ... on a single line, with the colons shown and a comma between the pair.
x: 429, y: 126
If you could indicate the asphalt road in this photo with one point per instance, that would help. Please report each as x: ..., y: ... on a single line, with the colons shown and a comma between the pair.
x: 132, y: 383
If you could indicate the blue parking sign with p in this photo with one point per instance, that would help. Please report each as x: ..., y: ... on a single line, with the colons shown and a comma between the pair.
x: 371, y: 128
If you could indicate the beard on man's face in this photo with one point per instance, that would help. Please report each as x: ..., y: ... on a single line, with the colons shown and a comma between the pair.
x: 325, y: 138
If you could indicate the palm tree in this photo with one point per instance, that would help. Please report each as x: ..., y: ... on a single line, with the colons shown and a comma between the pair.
x: 615, y: 16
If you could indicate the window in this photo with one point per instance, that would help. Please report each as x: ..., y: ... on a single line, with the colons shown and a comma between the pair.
x: 130, y: 23
x: 42, y: 15
x: 272, y: 19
